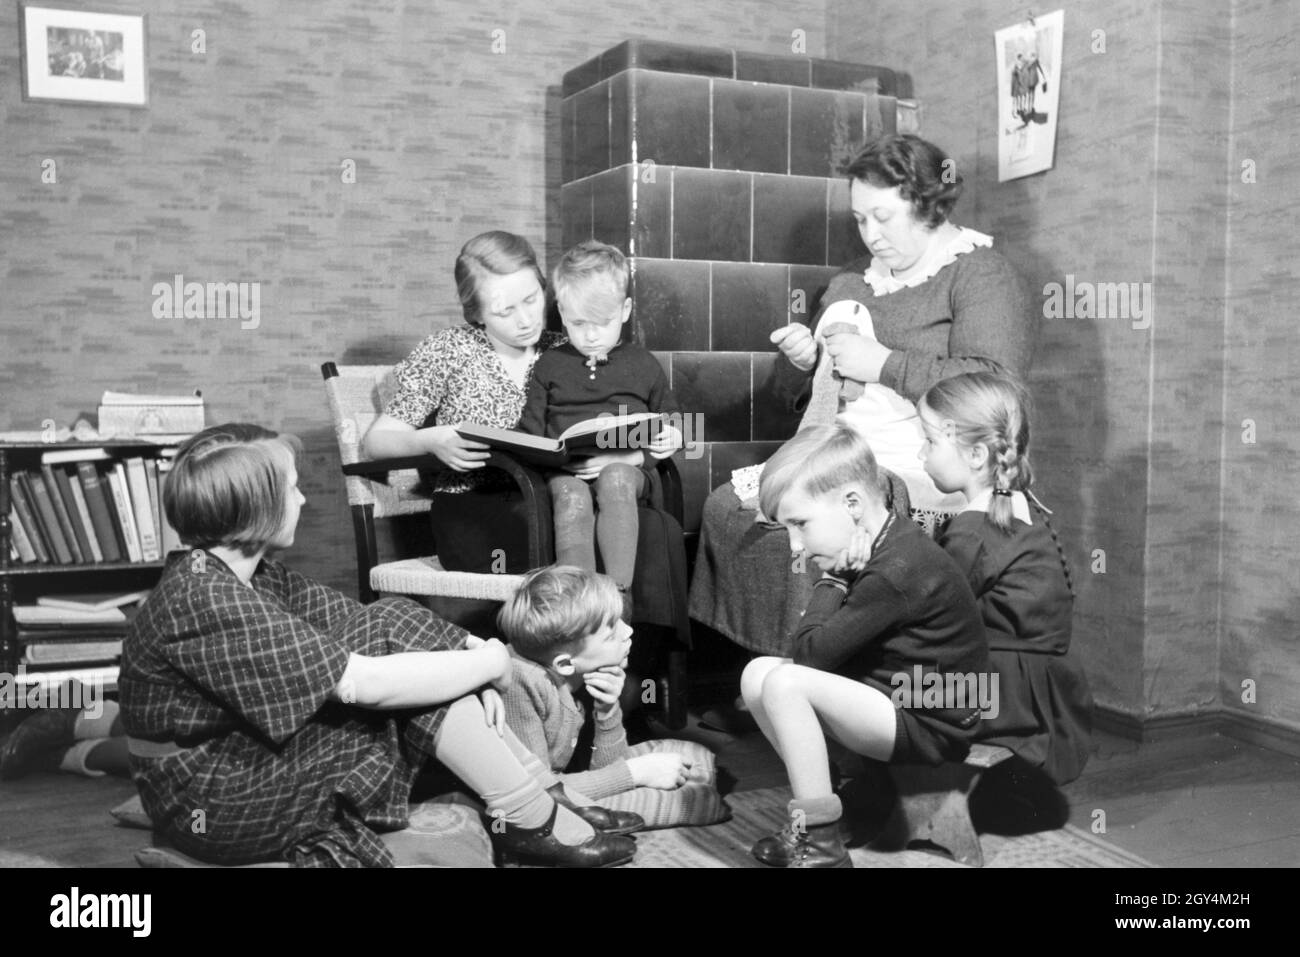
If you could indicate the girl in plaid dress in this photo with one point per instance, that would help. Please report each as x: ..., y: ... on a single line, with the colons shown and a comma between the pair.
x: 273, y: 718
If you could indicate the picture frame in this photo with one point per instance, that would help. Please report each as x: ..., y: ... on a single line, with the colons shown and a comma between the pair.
x: 79, y: 56
x: 1029, y: 94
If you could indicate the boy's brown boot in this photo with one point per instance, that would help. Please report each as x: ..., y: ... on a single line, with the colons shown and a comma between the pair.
x: 811, y: 837
x: 821, y: 846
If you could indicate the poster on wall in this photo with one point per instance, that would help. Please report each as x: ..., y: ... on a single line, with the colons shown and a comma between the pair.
x: 1029, y: 90
x: 82, y: 57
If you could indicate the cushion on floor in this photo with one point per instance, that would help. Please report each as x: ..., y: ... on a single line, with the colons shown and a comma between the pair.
x: 440, y: 834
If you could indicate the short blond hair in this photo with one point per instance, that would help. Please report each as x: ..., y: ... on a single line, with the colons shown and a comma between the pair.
x: 816, y: 461
x: 229, y: 486
x: 590, y: 271
x: 556, y: 608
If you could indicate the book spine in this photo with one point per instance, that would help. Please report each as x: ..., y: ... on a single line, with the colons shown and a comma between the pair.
x: 61, y: 514
x: 49, y: 520
x: 138, y: 482
x: 155, y: 501
x: 170, y: 539
x: 100, y: 507
x: 28, y: 517
x: 82, y: 531
x: 82, y: 512
x: 122, y: 509
x: 71, y: 653
x: 18, y: 536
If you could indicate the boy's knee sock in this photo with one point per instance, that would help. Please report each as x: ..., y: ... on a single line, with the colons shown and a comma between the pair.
x: 617, y: 527
x: 575, y: 522
x: 483, y: 760
x: 617, y: 489
x: 817, y: 811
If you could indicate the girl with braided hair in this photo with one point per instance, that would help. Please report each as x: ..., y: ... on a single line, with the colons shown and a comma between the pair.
x: 977, y: 442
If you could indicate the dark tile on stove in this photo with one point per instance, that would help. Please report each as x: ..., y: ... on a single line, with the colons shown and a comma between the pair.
x: 807, y: 286
x: 764, y: 68
x: 672, y: 118
x: 670, y: 304
x: 652, y: 210
x: 693, y: 466
x: 837, y: 75
x: 729, y: 456
x: 903, y: 85
x: 826, y: 131
x: 888, y: 115
x: 715, y: 385
x: 773, y: 417
x: 582, y: 76
x: 575, y: 212
x: 790, y: 220
x: 620, y: 119
x: 843, y: 241
x: 908, y: 114
x: 668, y: 58
x: 711, y: 215
x: 591, y: 132
x: 750, y: 126
x: 611, y: 207
x: 568, y: 140
x: 749, y: 301
x: 665, y: 360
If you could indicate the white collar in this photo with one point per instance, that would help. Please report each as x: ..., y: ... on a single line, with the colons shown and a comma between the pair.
x: 883, y: 282
x: 1019, y: 505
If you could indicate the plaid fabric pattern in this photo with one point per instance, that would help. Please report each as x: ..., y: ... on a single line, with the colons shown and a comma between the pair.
x: 240, y: 676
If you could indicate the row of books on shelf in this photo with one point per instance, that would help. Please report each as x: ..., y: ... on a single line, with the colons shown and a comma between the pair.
x: 73, y: 631
x: 84, y: 506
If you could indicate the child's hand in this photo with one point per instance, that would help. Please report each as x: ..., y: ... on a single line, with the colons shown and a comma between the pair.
x: 605, y: 685
x: 494, y: 709
x: 589, y: 468
x: 854, y: 558
x: 667, y: 772
x: 668, y: 441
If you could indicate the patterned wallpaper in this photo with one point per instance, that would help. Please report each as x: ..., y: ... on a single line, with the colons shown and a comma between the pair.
x: 235, y: 173
x: 1138, y: 433
x: 1261, y: 504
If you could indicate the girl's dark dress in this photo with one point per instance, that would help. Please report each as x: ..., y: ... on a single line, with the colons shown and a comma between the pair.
x: 1045, y: 707
x: 238, y: 676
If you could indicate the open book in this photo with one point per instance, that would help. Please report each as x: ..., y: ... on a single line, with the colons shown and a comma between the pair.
x: 605, y: 433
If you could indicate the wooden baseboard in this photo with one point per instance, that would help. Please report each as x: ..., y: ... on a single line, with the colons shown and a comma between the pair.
x: 1272, y: 734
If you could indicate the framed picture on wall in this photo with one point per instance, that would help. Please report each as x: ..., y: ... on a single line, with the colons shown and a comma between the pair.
x: 1029, y: 94
x: 75, y: 56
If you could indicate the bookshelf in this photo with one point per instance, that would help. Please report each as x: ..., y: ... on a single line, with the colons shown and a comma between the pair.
x: 25, y: 581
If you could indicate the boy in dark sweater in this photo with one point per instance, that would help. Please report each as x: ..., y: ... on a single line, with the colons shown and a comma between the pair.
x: 595, y: 373
x: 890, y: 658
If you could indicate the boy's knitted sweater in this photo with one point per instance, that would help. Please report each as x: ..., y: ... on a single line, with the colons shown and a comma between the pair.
x: 542, y: 711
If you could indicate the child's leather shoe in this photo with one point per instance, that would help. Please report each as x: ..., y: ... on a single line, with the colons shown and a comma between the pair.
x: 602, y: 819
x: 538, y: 845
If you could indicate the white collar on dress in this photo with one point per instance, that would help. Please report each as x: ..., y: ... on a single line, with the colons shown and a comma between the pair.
x: 1019, y: 505
x: 883, y: 282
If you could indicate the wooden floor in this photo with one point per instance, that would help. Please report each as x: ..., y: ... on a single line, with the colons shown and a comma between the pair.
x: 1199, y: 802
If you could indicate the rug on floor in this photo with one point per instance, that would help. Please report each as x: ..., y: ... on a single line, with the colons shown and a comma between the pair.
x: 761, y: 812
